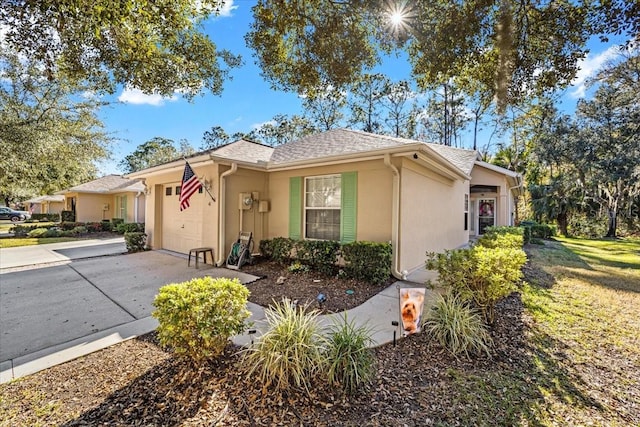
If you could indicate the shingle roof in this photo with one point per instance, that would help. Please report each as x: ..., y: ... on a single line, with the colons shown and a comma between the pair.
x: 108, y: 184
x: 244, y: 150
x: 463, y: 159
x: 346, y: 141
x: 46, y: 198
x: 335, y: 142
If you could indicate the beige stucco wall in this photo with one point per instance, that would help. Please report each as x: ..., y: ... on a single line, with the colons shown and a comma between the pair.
x: 431, y: 214
x: 52, y: 207
x: 89, y: 207
x: 373, y: 192
x: 246, y: 220
x: 504, y: 206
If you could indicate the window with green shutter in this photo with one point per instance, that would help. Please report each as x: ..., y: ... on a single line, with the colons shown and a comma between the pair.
x: 348, y: 211
x: 295, y: 207
x: 330, y: 207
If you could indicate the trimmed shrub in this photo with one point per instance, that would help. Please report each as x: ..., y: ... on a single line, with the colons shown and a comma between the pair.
x: 349, y: 358
x: 129, y: 227
x: 543, y: 231
x: 68, y: 216
x: 54, y: 217
x: 506, y: 240
x: 526, y: 233
x: 52, y: 232
x: 71, y: 225
x: 80, y: 229
x: 320, y: 255
x: 37, y: 232
x: 457, y: 327
x: 106, y: 225
x: 198, y: 317
x: 94, y: 227
x: 277, y: 249
x: 22, y: 230
x: 369, y: 261
x: 116, y: 221
x: 135, y: 241
x: 290, y: 353
x: 480, y: 274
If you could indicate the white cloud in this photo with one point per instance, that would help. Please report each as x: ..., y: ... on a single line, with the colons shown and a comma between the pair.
x: 136, y: 96
x: 258, y: 126
x: 589, y: 66
x: 227, y: 8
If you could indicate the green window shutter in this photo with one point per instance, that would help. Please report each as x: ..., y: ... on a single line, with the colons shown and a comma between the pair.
x: 348, y: 208
x: 295, y: 207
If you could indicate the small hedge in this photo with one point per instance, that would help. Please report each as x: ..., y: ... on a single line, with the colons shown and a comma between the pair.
x: 53, y: 217
x: 502, y: 237
x: 129, y: 227
x: 534, y: 230
x: 68, y: 216
x: 277, y: 249
x: 320, y: 255
x: 197, y: 318
x: 368, y: 261
x: 136, y: 241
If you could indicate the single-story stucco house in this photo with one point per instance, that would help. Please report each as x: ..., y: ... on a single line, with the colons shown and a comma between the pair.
x: 112, y: 196
x: 340, y: 185
x: 48, y: 204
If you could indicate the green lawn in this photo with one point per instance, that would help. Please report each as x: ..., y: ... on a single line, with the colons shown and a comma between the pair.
x: 10, y: 242
x: 581, y: 343
x: 585, y: 334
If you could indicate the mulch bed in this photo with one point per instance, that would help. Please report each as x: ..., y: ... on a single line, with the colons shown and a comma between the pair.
x: 304, y: 287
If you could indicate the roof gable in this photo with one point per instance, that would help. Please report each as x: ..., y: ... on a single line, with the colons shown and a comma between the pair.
x: 108, y: 184
x: 244, y: 150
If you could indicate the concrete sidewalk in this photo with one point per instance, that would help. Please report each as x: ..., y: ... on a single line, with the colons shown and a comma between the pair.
x: 58, y: 253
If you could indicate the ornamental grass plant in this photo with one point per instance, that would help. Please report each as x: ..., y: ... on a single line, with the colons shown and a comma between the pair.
x: 291, y: 352
x: 457, y: 327
x: 350, y: 360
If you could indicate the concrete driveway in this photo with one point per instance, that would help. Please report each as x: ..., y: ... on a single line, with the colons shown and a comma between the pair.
x: 50, y: 313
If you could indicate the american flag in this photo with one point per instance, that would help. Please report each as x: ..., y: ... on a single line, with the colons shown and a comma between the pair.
x: 190, y: 184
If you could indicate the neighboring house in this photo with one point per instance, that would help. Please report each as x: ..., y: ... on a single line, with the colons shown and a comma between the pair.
x: 340, y: 185
x: 111, y: 196
x: 49, y: 204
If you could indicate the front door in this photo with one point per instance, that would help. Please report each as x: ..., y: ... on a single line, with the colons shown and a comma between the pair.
x: 486, y: 214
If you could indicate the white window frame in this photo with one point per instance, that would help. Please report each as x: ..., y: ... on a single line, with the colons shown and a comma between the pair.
x: 466, y: 212
x: 122, y: 207
x: 306, y: 208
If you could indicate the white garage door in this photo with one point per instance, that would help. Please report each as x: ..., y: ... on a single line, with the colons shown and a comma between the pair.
x: 181, y: 230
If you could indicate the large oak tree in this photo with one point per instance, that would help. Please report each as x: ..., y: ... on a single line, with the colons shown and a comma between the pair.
x: 156, y: 46
x: 512, y: 49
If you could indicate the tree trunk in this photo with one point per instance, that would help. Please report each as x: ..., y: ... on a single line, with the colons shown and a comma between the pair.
x: 613, y: 223
x: 563, y: 223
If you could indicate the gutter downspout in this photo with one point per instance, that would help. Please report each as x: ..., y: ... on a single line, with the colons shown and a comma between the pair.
x: 135, y: 206
x: 395, y: 218
x: 512, y: 223
x: 221, y: 198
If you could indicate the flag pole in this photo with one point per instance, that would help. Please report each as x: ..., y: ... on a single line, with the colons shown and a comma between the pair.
x: 203, y: 185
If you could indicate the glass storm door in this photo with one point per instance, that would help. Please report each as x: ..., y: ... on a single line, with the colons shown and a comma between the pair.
x: 486, y: 214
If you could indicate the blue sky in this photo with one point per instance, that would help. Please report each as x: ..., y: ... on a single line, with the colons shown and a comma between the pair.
x: 247, y: 100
